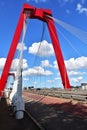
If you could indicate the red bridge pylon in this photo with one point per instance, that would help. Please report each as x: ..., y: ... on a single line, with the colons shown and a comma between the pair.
x: 41, y: 14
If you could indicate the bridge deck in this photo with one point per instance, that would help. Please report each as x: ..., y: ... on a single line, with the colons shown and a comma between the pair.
x: 56, y: 113
x: 8, y: 122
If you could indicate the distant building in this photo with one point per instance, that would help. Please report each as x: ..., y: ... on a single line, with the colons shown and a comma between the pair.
x: 84, y: 86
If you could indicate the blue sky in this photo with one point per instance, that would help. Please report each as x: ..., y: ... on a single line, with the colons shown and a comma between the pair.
x: 72, y: 12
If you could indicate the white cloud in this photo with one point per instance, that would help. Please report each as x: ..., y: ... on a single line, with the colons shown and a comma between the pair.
x: 37, y: 71
x: 76, y: 80
x: 81, y: 9
x: 35, y: 83
x: 45, y: 63
x: 26, y: 79
x: 74, y: 64
x: 75, y: 73
x: 74, y: 67
x: 78, y: 63
x: 55, y: 64
x: 79, y: 6
x: 57, y: 78
x: 15, y: 64
x: 42, y: 49
x: 50, y: 81
x: 2, y: 63
x: 20, y: 46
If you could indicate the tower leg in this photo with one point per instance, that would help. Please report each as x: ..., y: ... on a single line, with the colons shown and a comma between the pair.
x: 58, y: 53
x: 11, y: 53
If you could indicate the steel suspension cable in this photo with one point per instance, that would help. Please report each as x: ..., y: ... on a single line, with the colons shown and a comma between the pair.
x: 22, y: 43
x: 80, y: 34
x: 40, y: 43
x: 23, y: 37
x: 36, y: 56
x: 68, y: 41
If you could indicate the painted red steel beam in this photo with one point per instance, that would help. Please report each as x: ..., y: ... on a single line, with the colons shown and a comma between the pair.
x: 58, y: 54
x: 40, y: 14
x: 11, y: 53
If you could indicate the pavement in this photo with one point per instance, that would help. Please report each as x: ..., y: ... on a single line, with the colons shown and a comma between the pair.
x: 8, y: 121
